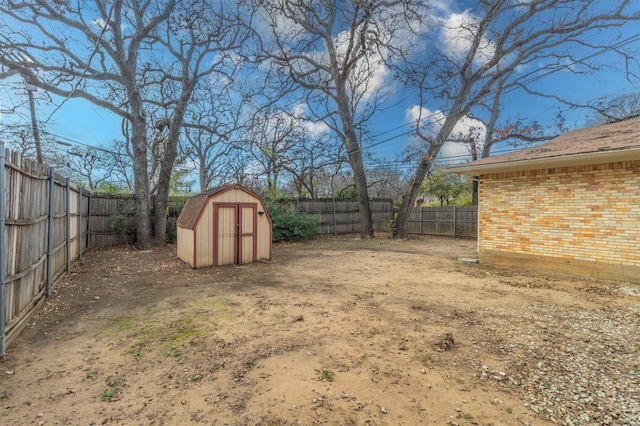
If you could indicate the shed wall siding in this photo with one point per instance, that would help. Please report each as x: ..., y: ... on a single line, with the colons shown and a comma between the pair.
x: 185, y: 245
x: 584, y: 213
x: 264, y: 236
x: 204, y: 236
x: 235, y: 196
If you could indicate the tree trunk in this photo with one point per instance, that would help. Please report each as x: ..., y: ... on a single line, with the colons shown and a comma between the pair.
x: 161, y: 202
x: 409, y: 198
x: 474, y: 183
x: 475, y: 189
x: 202, y: 174
x: 141, y: 180
x: 354, y: 153
x: 355, y: 159
x: 161, y: 199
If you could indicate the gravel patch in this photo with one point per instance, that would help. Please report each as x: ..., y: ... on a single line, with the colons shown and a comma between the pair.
x: 629, y: 290
x: 571, y: 366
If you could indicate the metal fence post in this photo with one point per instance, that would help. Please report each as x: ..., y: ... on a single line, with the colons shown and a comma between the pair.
x: 79, y: 237
x: 454, y: 221
x: 89, y: 206
x: 333, y: 209
x: 3, y: 256
x: 52, y: 184
x: 68, y: 218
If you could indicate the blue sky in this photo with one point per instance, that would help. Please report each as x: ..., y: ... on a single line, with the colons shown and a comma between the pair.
x: 78, y: 120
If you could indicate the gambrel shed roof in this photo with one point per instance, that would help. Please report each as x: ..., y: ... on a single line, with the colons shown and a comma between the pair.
x: 607, y: 143
x: 194, y: 205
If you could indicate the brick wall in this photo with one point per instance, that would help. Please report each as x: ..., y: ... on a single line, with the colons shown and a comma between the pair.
x: 588, y: 213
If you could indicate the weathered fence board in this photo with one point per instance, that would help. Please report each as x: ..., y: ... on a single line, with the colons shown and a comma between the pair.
x: 39, y: 239
x: 26, y: 211
x: 112, y: 220
x: 341, y: 215
x: 452, y: 221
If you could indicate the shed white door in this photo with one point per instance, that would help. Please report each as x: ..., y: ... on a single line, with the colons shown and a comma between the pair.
x: 235, y: 233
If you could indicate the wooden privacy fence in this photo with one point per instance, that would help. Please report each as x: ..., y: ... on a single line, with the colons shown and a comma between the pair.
x: 46, y: 223
x: 342, y: 215
x: 112, y: 218
x: 450, y: 221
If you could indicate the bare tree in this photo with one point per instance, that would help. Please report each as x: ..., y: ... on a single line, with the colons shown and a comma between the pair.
x: 309, y: 161
x: 237, y: 169
x: 609, y: 109
x: 385, y: 182
x: 212, y: 120
x: 22, y: 96
x: 19, y: 137
x: 514, y: 131
x: 499, y: 42
x: 119, y: 155
x: 271, y: 141
x: 87, y: 165
x: 334, y: 52
x: 129, y: 57
x: 83, y: 164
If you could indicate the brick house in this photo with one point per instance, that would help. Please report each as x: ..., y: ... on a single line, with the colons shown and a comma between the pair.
x: 570, y: 205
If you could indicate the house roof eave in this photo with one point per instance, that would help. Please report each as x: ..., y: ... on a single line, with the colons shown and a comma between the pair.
x: 549, y: 162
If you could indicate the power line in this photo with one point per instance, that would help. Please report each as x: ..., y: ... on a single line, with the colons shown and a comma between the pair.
x: 71, y: 141
x: 88, y: 64
x: 426, y: 120
x: 451, y: 158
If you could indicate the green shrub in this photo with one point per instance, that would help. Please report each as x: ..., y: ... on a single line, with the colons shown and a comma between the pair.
x: 124, y: 224
x: 289, y: 226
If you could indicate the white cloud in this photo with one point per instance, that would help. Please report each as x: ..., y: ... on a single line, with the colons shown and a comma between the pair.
x: 371, y: 76
x: 454, y: 150
x: 314, y: 129
x: 458, y: 33
x: 426, y: 117
x: 441, y: 6
x: 100, y: 23
x: 453, y: 153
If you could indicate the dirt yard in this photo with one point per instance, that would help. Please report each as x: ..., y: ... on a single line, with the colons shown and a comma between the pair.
x: 337, y: 331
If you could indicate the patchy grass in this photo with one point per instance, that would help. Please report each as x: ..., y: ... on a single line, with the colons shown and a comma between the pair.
x: 179, y: 334
x: 139, y: 349
x: 110, y: 393
x: 89, y: 373
x: 173, y: 353
x: 240, y: 405
x: 124, y: 323
x: 147, y: 338
x: 327, y: 375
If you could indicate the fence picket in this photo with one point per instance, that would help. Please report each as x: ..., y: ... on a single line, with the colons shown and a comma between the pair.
x: 456, y: 221
x: 37, y: 234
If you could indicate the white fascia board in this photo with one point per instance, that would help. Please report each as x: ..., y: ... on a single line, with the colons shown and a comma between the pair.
x: 550, y: 162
